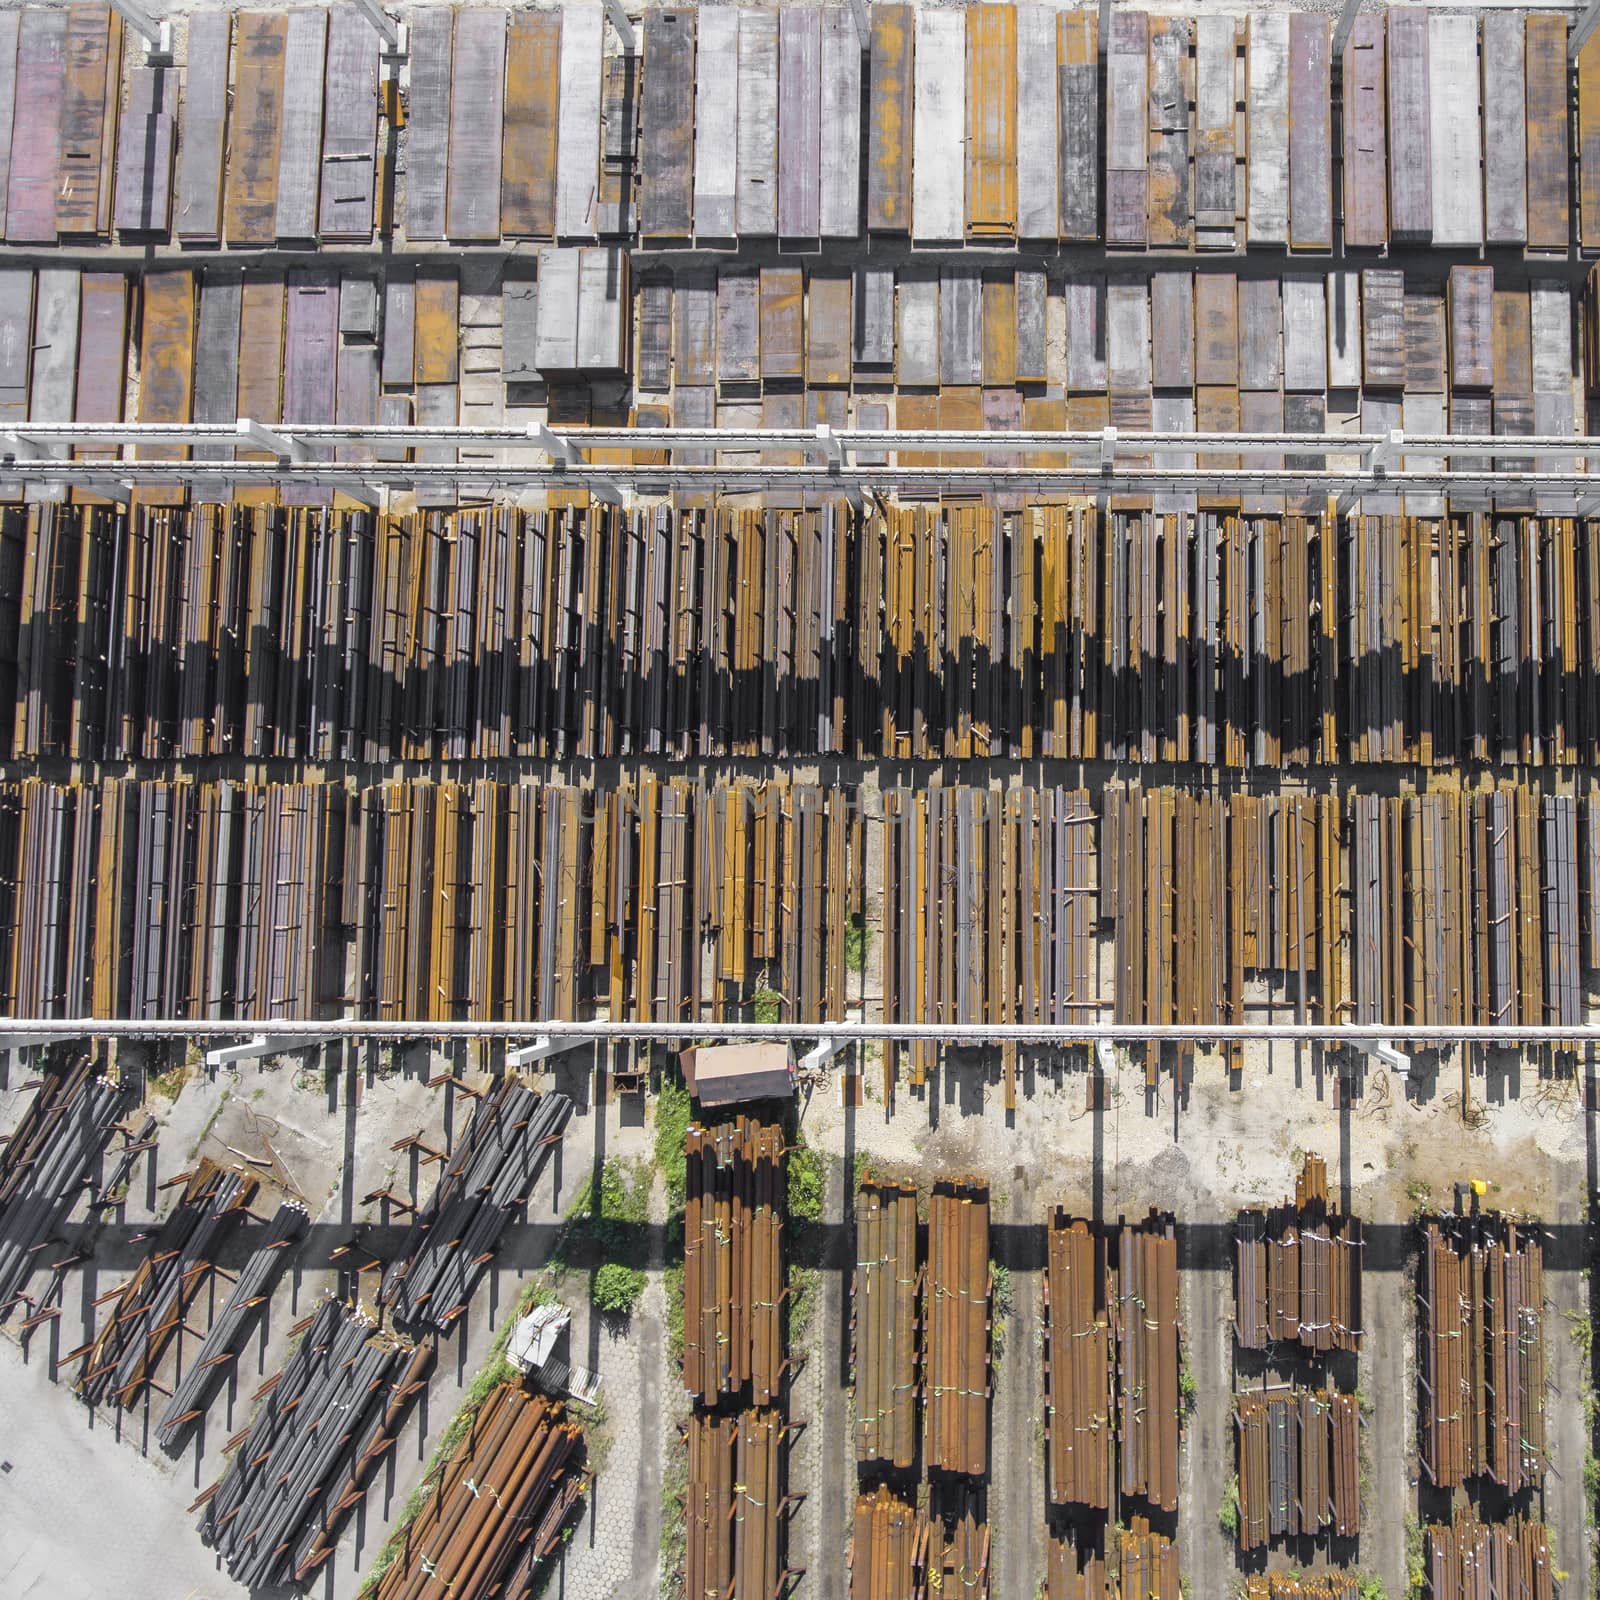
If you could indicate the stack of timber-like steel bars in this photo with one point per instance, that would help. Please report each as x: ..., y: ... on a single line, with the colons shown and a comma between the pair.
x: 46, y: 1162
x: 957, y: 1288
x: 1146, y: 1319
x: 1298, y: 1271
x: 330, y: 1414
x: 499, y: 1505
x: 884, y: 1541
x: 1298, y: 1465
x: 734, y: 1365
x: 491, y: 1171
x: 1079, y: 1425
x: 1481, y: 1333
x: 1138, y: 1564
x: 1467, y: 1559
x: 884, y: 1324
x: 148, y: 1311
x: 231, y: 1327
x: 1332, y: 1585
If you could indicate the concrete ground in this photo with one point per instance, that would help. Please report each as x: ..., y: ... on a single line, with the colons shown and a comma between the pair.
x: 1222, y: 1143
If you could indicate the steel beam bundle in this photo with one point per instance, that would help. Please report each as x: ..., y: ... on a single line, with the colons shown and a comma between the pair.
x: 956, y: 1299
x: 1472, y: 1560
x: 1079, y: 1424
x: 1481, y: 1333
x: 47, y: 1162
x: 1299, y: 1475
x: 1146, y: 1322
x: 953, y: 1541
x: 490, y: 1173
x: 733, y: 1262
x: 153, y: 1305
x: 885, y: 1535
x: 1298, y: 1271
x: 734, y: 1509
x: 1139, y: 1565
x: 330, y: 1414
x: 230, y: 1329
x: 1239, y: 640
x: 884, y: 1324
x: 1302, y: 1586
x: 498, y: 1507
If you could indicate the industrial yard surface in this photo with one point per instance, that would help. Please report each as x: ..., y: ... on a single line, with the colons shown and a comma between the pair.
x: 799, y: 800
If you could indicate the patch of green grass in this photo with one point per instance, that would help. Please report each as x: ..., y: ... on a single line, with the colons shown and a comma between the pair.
x: 606, y: 1225
x: 857, y: 942
x: 1420, y: 1194
x: 1591, y: 1481
x: 1416, y: 1565
x: 617, y: 1289
x: 1582, y: 1330
x: 168, y: 1084
x: 803, y: 1285
x: 674, y: 1522
x: 1188, y: 1385
x: 767, y: 1005
x: 672, y: 1286
x: 1228, y: 1511
x: 1369, y: 1586
x: 1000, y: 1304
x: 808, y: 1180
x: 673, y: 1115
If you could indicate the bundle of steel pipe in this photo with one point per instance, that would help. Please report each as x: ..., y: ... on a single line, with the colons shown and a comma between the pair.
x: 1331, y: 1585
x: 330, y: 1413
x: 231, y: 1327
x: 498, y: 1507
x: 883, y: 1324
x: 47, y: 1162
x: 956, y: 1298
x: 884, y: 1539
x: 1146, y: 1310
x: 1135, y: 1565
x: 150, y: 1308
x: 491, y: 1172
x: 1299, y: 1469
x: 1298, y: 1271
x: 1481, y: 1335
x: 1226, y: 638
x: 1079, y: 1425
x: 953, y: 1541
x: 733, y: 1261
x: 1472, y: 1560
x: 735, y: 1503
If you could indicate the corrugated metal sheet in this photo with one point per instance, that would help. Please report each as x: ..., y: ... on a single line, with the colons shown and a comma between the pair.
x: 532, y: 112
x: 578, y: 137
x: 1549, y: 225
x: 757, y: 182
x: 991, y: 200
x: 1410, y: 149
x: 1505, y: 143
x: 716, y: 123
x: 253, y: 129
x: 1080, y: 125
x: 1310, y: 133
x: 36, y: 159
x: 1455, y: 130
x: 205, y: 128
x: 840, y: 208
x: 350, y: 129
x: 1127, y: 137
x: 667, y: 171
x: 300, y: 141
x: 477, y: 106
x: 1366, y: 152
x: 799, y: 123
x: 1268, y: 128
x: 890, y: 127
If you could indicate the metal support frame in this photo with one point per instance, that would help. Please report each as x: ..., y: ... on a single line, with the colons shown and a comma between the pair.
x: 155, y: 31
x: 1582, y: 28
x: 260, y: 1045
x: 863, y: 23
x: 617, y: 16
x: 390, y: 29
x: 542, y: 1048
x: 51, y: 1030
x: 1382, y: 1050
x: 1341, y: 32
x: 1103, y: 26
x: 1101, y: 463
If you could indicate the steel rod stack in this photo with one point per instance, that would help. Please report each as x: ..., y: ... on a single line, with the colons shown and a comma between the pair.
x: 230, y: 1329
x: 884, y: 1324
x: 1146, y: 1315
x: 733, y: 1261
x: 1079, y: 1423
x: 1139, y: 1565
x: 48, y: 1161
x: 1299, y: 1473
x: 884, y: 1539
x: 153, y: 1305
x: 498, y: 1507
x: 491, y: 1172
x: 1473, y: 1560
x: 734, y: 1364
x: 329, y: 1415
x: 1302, y: 1586
x: 1481, y: 1333
x: 735, y: 1529
x: 953, y: 1541
x: 957, y: 1289
x: 1298, y: 1272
